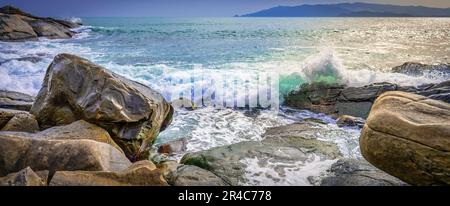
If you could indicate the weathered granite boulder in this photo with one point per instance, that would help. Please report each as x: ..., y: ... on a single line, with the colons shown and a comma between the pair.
x: 337, y: 100
x: 142, y: 173
x: 408, y: 136
x: 352, y: 172
x: 16, y: 25
x: 25, y: 177
x: 286, y: 146
x: 190, y: 175
x: 75, y: 88
x: 18, y: 152
x: 350, y: 121
x: 15, y: 120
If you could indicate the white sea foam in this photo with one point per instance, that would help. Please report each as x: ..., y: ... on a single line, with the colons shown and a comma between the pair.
x: 271, y: 173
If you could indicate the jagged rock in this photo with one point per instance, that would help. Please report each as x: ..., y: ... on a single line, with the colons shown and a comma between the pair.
x: 25, y: 177
x: 173, y: 147
x: 349, y: 121
x: 337, y: 100
x: 15, y: 100
x: 75, y: 88
x: 18, y: 151
x: 286, y: 145
x: 142, y: 173
x: 352, y: 172
x: 418, y: 69
x: 17, y: 25
x: 408, y: 136
x: 189, y: 175
x: 14, y: 28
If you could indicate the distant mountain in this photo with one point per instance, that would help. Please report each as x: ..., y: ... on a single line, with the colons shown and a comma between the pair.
x: 351, y: 10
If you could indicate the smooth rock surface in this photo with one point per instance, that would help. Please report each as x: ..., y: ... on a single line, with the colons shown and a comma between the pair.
x: 141, y: 173
x: 173, y: 147
x: 408, y: 136
x: 286, y: 145
x: 352, y: 172
x: 75, y: 88
x: 18, y: 152
x: 190, y: 175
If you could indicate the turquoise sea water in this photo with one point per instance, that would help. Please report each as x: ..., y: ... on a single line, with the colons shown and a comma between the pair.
x: 157, y: 51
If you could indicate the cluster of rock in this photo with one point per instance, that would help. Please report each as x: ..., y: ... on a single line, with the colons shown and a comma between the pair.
x: 337, y: 100
x: 407, y: 131
x: 289, y: 145
x: 16, y: 25
x: 85, y: 127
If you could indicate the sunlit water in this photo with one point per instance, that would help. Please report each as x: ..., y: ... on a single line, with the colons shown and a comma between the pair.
x: 352, y: 51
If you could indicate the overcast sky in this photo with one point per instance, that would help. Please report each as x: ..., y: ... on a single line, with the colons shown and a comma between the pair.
x: 86, y: 8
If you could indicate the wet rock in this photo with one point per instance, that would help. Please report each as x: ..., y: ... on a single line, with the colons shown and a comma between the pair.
x: 408, y: 136
x: 17, y: 25
x: 142, y: 173
x: 352, y: 172
x: 349, y: 121
x: 25, y: 177
x: 173, y: 147
x: 418, y: 69
x: 337, y: 100
x: 15, y: 100
x: 77, y: 89
x: 285, y: 145
x: 18, y: 151
x: 189, y: 175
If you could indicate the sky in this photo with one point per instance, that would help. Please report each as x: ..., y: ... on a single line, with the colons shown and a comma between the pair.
x: 93, y: 8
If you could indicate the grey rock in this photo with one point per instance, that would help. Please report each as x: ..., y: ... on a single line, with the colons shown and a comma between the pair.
x: 285, y: 145
x: 352, y: 172
x: 77, y: 89
x: 189, y: 175
x: 15, y: 100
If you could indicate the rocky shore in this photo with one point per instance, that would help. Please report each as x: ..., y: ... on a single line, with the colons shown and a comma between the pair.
x: 90, y: 126
x: 16, y: 25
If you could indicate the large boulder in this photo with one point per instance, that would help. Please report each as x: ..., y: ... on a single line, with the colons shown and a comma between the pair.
x: 284, y: 149
x: 16, y: 25
x: 15, y: 120
x: 408, y: 136
x: 142, y: 173
x: 25, y: 177
x: 75, y: 88
x: 14, y: 28
x: 19, y: 151
x: 338, y: 100
x: 353, y: 172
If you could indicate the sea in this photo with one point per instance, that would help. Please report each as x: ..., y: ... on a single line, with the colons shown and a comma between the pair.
x: 178, y: 55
